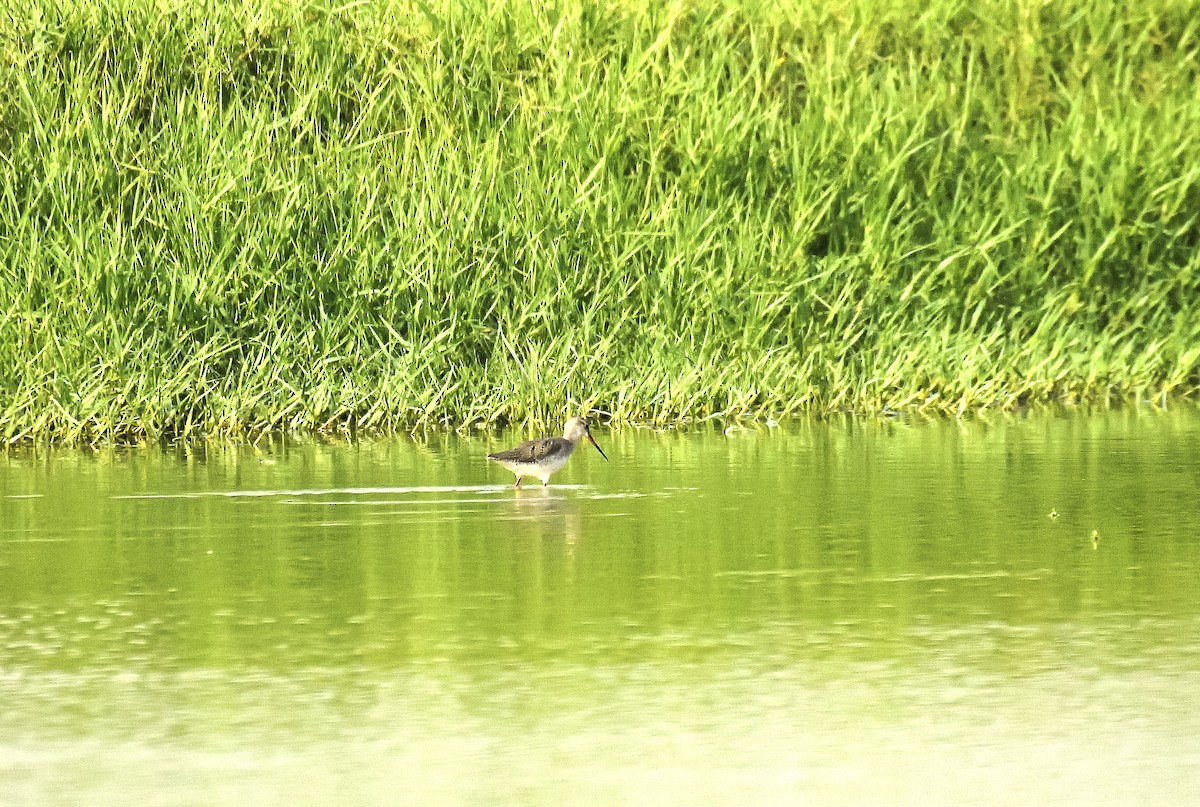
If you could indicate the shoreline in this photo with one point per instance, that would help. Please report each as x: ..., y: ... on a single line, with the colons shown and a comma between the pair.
x: 402, y: 215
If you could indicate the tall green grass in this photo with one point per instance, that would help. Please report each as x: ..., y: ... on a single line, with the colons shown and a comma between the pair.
x: 232, y: 217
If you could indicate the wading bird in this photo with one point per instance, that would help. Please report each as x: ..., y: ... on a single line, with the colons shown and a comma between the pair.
x: 545, y: 455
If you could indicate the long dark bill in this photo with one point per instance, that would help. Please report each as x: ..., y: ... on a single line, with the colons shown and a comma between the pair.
x: 592, y: 440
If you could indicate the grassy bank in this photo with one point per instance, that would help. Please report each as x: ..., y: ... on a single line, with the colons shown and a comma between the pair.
x: 392, y: 215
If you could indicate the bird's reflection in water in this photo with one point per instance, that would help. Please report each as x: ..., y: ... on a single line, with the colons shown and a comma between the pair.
x: 549, y: 513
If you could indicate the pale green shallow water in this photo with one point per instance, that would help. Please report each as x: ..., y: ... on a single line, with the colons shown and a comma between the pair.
x: 843, y: 613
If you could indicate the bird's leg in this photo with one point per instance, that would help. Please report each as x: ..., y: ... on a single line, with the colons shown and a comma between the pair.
x: 518, y: 485
x: 546, y: 482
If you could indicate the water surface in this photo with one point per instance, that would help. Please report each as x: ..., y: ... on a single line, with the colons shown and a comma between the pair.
x: 859, y: 612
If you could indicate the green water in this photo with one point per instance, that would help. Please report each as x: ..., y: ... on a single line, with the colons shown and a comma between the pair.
x: 854, y: 612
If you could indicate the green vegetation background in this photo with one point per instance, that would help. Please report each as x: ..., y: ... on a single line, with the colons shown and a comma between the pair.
x: 234, y: 216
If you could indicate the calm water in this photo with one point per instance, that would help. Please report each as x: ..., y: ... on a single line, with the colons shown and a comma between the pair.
x: 833, y: 613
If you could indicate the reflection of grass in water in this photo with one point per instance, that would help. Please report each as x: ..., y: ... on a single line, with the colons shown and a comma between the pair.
x: 387, y: 218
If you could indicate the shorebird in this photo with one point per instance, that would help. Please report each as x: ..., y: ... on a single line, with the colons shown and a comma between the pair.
x: 545, y: 455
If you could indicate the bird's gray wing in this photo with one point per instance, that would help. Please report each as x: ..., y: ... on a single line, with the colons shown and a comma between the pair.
x: 530, y: 450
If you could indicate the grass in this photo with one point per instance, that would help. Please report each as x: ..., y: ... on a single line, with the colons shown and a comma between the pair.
x: 227, y: 218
